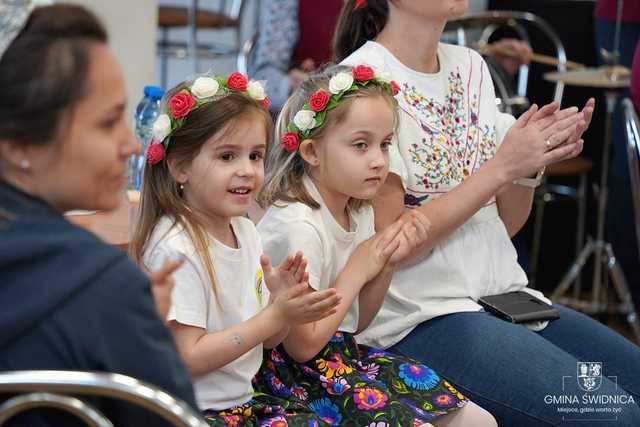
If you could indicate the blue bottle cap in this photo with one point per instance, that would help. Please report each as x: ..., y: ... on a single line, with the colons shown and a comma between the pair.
x: 154, y: 92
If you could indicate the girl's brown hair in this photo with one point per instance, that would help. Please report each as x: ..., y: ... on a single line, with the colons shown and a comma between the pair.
x: 355, y: 27
x: 161, y: 194
x: 284, y: 170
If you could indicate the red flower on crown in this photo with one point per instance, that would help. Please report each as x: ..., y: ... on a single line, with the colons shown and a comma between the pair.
x: 155, y: 153
x: 236, y: 81
x: 319, y: 100
x: 395, y: 87
x: 181, y: 104
x: 265, y: 103
x: 359, y: 4
x: 290, y: 142
x: 363, y: 73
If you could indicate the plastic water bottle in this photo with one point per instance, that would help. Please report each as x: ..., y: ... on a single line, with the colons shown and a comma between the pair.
x: 145, y: 115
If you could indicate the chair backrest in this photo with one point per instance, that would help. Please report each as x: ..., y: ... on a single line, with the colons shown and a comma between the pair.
x: 487, y: 23
x: 632, y: 126
x: 50, y: 389
x: 232, y: 8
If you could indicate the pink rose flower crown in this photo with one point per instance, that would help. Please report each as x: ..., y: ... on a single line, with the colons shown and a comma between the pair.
x: 313, y: 113
x: 203, y: 90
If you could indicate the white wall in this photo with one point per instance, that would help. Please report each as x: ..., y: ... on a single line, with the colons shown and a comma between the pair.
x: 132, y: 37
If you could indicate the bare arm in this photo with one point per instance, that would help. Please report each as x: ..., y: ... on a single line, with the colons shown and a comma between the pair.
x: 364, y: 265
x: 414, y: 231
x: 514, y: 159
x: 371, y: 297
x: 514, y: 206
x: 305, y: 341
x: 205, y: 352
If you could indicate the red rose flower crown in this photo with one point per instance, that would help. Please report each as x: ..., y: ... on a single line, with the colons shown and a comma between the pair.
x: 314, y: 112
x: 203, y: 90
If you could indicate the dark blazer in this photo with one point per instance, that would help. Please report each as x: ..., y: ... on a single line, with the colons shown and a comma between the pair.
x: 70, y: 301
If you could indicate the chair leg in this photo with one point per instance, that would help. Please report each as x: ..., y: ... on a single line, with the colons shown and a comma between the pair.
x: 537, y: 234
x: 582, y: 214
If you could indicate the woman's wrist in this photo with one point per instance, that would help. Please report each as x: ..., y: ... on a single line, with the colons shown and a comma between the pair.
x: 498, y: 173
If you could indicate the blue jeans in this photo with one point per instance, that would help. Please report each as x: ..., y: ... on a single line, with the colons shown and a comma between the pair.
x: 525, y: 378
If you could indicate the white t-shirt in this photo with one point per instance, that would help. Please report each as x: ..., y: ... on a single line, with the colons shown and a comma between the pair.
x: 241, y: 295
x: 449, y: 126
x: 289, y: 227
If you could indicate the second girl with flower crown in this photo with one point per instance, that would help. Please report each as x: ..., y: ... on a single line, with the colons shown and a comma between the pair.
x: 330, y: 158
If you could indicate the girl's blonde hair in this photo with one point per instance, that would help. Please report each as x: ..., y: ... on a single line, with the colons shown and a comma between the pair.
x: 161, y: 194
x: 284, y: 170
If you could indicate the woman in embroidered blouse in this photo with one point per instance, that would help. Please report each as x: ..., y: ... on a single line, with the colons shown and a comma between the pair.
x: 456, y: 161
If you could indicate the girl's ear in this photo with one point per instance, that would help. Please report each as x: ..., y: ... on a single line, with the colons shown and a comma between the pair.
x: 176, y: 172
x: 309, y: 152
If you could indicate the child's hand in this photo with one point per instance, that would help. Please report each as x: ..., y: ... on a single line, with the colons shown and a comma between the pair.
x: 414, y: 232
x: 298, y: 305
x: 372, y: 255
x: 291, y: 272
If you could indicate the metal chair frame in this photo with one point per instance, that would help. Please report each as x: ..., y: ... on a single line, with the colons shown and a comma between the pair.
x: 50, y: 389
x: 192, y: 48
x: 632, y: 125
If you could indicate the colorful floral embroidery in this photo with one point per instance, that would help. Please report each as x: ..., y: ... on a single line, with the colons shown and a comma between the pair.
x: 370, y: 370
x: 455, y: 143
x: 335, y: 386
x: 366, y: 388
x: 299, y: 392
x: 369, y: 398
x: 443, y: 400
x: 326, y: 411
x: 277, y: 387
x: 335, y: 367
x: 275, y: 422
x: 418, y: 376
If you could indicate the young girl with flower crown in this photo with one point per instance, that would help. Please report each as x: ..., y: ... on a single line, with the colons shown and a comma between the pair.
x: 204, y: 169
x: 334, y: 139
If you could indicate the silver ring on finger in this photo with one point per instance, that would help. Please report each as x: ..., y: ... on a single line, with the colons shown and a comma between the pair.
x: 548, y: 144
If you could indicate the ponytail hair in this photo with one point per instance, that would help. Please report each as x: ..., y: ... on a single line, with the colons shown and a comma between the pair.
x: 356, y: 26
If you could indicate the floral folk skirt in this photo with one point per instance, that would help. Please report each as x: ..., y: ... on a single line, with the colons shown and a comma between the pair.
x: 348, y: 384
x: 264, y: 411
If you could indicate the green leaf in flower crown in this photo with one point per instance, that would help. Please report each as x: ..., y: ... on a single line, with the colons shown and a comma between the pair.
x: 333, y: 102
x: 177, y: 123
x: 320, y: 118
x: 221, y: 81
x: 291, y: 127
x: 166, y: 142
